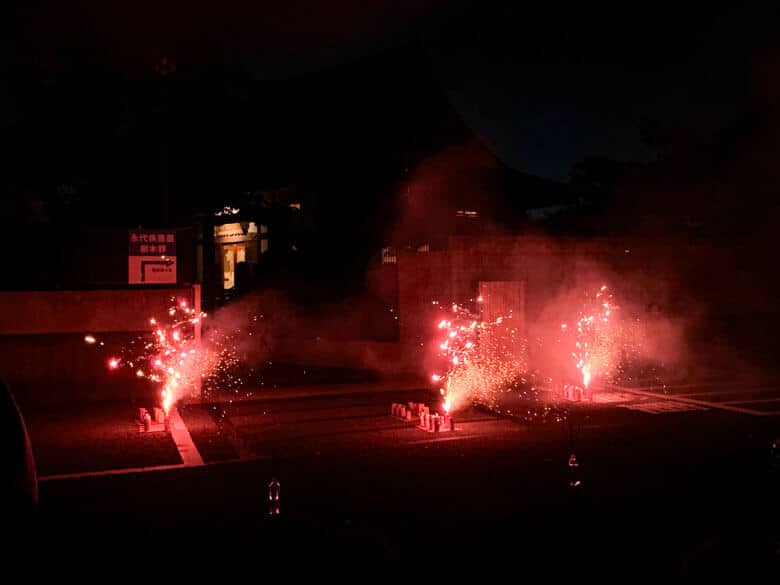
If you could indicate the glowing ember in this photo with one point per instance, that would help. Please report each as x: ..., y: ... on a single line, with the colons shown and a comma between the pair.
x: 479, y: 358
x: 167, y: 399
x: 586, y: 375
x: 165, y: 349
x: 596, y: 339
x: 487, y: 362
x: 89, y: 339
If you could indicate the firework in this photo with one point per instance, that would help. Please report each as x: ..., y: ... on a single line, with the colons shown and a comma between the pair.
x: 479, y: 359
x: 596, y: 337
x: 168, y: 355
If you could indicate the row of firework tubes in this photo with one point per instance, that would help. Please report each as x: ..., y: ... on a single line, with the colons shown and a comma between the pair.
x: 152, y: 421
x: 575, y: 393
x: 432, y: 423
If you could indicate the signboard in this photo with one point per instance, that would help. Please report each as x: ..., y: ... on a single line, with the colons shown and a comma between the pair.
x: 151, y: 257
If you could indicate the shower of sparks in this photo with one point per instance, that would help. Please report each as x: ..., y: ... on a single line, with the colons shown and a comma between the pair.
x: 596, y: 337
x: 479, y: 359
x: 168, y: 356
x: 226, y: 369
x: 488, y: 363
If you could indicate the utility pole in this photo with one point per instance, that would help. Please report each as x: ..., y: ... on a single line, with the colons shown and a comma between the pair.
x: 164, y: 68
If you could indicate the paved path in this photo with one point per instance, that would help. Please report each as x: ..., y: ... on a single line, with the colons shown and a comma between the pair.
x: 740, y: 396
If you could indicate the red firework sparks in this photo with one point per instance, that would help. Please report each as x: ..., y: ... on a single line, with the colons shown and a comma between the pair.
x: 594, y: 336
x: 475, y: 356
x: 174, y: 361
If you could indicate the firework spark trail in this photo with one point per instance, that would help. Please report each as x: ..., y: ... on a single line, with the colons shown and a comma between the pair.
x: 224, y: 365
x: 168, y: 355
x: 596, y: 337
x: 485, y: 361
x: 488, y: 363
x: 480, y: 358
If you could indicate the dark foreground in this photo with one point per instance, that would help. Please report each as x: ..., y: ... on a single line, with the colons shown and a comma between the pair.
x: 675, y: 493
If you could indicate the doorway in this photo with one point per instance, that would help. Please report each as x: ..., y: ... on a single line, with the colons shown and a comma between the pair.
x: 231, y: 255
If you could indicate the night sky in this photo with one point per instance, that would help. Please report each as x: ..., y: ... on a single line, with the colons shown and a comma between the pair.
x: 545, y: 88
x: 541, y: 87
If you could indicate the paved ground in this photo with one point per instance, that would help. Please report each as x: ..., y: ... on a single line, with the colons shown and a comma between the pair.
x: 752, y: 397
x: 685, y: 488
x: 94, y: 438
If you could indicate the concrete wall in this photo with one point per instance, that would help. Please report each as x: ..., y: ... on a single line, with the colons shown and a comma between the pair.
x: 42, y: 351
x: 67, y: 257
x: 544, y: 265
x: 711, y: 289
x: 86, y: 311
x: 50, y: 370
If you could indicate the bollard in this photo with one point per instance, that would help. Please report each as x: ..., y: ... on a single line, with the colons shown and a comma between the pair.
x: 436, y: 423
x: 274, y: 497
x: 574, y: 472
x: 452, y: 424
